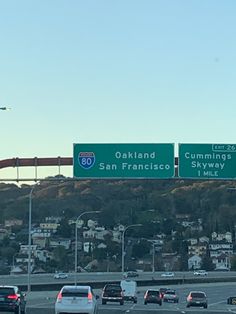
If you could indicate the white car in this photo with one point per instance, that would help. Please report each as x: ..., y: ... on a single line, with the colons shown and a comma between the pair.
x: 60, y: 276
x: 76, y: 299
x: 130, y: 274
x: 168, y: 274
x: 200, y: 272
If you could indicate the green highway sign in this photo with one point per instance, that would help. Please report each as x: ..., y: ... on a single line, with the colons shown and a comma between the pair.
x: 207, y: 161
x: 128, y: 161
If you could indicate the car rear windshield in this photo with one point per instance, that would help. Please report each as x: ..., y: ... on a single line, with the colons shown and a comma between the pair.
x: 156, y: 293
x: 170, y: 292
x: 198, y: 295
x: 7, y: 291
x: 117, y: 288
x: 75, y: 293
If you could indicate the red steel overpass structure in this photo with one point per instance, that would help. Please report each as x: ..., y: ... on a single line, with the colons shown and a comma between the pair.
x: 37, y: 162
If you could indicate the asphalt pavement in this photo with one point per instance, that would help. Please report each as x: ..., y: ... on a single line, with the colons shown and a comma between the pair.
x: 43, y: 302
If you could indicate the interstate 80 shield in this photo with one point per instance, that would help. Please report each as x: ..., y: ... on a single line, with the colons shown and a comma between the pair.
x: 86, y: 159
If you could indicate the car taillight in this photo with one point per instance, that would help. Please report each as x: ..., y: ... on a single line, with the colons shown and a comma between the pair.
x: 190, y: 298
x: 145, y: 296
x: 59, y: 297
x: 12, y: 297
x: 90, y: 297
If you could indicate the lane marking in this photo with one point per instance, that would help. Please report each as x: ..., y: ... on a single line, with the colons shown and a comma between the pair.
x: 132, y: 307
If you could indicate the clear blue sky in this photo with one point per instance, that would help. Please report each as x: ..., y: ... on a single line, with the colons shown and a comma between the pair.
x: 106, y: 71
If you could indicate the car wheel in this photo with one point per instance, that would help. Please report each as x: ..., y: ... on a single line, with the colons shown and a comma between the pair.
x: 104, y: 302
x: 160, y: 303
x: 145, y: 303
x: 121, y: 302
x: 188, y: 305
x: 205, y: 306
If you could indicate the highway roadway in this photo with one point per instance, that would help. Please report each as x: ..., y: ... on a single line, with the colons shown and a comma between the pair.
x: 217, y: 293
x: 96, y: 277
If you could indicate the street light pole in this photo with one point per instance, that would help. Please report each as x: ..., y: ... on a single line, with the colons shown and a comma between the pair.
x: 29, y: 236
x: 123, y: 245
x: 153, y: 257
x: 76, y: 240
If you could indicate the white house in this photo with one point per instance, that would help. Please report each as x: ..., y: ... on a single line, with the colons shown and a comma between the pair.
x: 222, y: 236
x: 192, y: 241
x: 116, y: 236
x: 204, y: 239
x: 24, y: 249
x: 194, y: 262
x: 222, y: 262
x: 218, y: 248
x: 44, y: 255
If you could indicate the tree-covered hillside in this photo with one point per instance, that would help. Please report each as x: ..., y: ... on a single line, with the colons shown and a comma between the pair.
x: 154, y: 203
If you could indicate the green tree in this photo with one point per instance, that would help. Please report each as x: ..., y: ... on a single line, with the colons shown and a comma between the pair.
x: 140, y: 249
x: 60, y: 256
x: 8, y: 253
x: 207, y: 263
x: 233, y: 262
x: 64, y: 230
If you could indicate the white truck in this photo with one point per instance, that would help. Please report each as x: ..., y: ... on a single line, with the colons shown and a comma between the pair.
x: 129, y: 288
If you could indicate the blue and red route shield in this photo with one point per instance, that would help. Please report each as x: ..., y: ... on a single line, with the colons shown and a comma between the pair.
x: 86, y: 159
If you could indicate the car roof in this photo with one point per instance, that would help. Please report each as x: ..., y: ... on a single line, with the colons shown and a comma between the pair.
x: 73, y: 287
x: 197, y: 291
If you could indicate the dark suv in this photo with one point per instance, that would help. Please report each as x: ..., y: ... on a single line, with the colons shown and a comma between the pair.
x: 112, y: 293
x: 12, y: 299
x: 152, y: 296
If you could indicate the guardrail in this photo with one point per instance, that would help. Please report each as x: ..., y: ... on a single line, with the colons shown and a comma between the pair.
x: 140, y: 282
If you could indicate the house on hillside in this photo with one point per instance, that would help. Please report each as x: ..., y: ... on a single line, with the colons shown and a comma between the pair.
x: 227, y: 237
x: 194, y: 262
x: 221, y: 262
x: 13, y: 222
x: 220, y: 247
x: 49, y: 226
x: 197, y: 249
x: 170, y: 260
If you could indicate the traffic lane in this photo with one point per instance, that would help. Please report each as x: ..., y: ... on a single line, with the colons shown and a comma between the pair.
x: 217, y: 296
x: 49, y: 278
x: 113, y: 310
x: 132, y: 309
